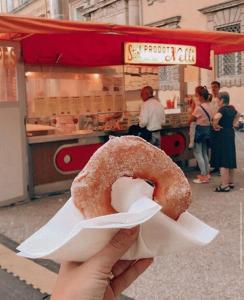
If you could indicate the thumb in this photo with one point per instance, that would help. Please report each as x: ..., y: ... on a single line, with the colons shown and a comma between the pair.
x: 117, y: 247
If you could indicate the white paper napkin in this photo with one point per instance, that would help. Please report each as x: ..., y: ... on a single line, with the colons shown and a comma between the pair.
x: 69, y: 237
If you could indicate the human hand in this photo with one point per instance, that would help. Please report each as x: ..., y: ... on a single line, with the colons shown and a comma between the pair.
x: 91, y: 280
x: 217, y: 127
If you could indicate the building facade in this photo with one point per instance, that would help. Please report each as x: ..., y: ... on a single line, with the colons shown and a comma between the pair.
x: 57, y: 9
x: 38, y: 8
x: 108, y: 11
x: 203, y: 15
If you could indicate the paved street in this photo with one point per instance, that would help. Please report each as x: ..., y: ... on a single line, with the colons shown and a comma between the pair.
x: 213, y: 272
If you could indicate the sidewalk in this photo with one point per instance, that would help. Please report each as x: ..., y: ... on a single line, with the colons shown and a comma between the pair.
x: 213, y: 272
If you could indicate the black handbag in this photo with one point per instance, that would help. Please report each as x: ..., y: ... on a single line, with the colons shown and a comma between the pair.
x: 203, y: 133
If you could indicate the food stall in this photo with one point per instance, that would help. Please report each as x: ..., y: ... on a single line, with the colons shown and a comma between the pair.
x: 83, y: 107
x: 69, y: 85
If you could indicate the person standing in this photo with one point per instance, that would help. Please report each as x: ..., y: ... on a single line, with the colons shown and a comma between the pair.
x: 224, y: 152
x: 215, y: 87
x: 202, y: 115
x: 152, y: 115
x: 192, y: 127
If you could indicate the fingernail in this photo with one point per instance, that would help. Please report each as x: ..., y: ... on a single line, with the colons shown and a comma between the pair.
x: 151, y: 259
x: 131, y: 231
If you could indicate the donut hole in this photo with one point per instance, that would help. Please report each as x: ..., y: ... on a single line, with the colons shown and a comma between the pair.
x: 127, y: 190
x: 150, y: 182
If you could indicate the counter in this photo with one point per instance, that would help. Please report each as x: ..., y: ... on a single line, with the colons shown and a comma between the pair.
x: 64, y: 137
x: 81, y: 134
x: 48, y: 158
x: 56, y: 159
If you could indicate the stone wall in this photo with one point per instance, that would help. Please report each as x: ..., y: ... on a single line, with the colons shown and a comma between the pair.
x: 203, y: 15
x: 32, y: 8
x: 107, y: 11
x: 222, y: 15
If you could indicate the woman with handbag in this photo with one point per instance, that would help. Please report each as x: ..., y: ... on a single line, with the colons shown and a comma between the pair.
x: 202, y: 115
x: 224, y: 153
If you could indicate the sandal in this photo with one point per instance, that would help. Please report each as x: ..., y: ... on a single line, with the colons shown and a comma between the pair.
x: 231, y: 185
x: 220, y: 189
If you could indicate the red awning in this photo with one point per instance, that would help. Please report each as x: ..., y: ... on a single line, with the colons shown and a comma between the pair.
x: 48, y: 41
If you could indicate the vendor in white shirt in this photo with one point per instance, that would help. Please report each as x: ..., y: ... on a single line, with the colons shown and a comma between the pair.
x: 152, y: 115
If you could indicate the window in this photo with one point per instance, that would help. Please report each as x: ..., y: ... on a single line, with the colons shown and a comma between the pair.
x: 169, y: 78
x: 14, y: 4
x: 79, y: 15
x: 10, y: 5
x: 229, y: 64
x: 168, y: 75
x: 22, y: 1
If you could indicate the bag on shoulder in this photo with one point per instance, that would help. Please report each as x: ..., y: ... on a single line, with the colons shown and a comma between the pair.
x: 203, y: 133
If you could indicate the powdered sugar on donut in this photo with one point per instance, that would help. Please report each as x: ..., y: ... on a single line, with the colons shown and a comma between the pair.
x: 129, y: 156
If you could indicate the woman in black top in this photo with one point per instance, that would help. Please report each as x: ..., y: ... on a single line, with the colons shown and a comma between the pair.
x: 223, y: 155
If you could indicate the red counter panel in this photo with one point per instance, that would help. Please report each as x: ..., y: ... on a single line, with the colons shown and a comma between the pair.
x: 72, y: 158
x: 173, y: 144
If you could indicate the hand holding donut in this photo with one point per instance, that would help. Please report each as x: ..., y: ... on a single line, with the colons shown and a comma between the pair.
x: 92, y: 279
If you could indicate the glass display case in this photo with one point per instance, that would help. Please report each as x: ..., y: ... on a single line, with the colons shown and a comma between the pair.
x: 70, y: 100
x: 98, y: 99
x: 55, y: 92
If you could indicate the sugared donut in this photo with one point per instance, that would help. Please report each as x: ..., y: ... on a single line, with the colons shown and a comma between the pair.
x: 133, y: 157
